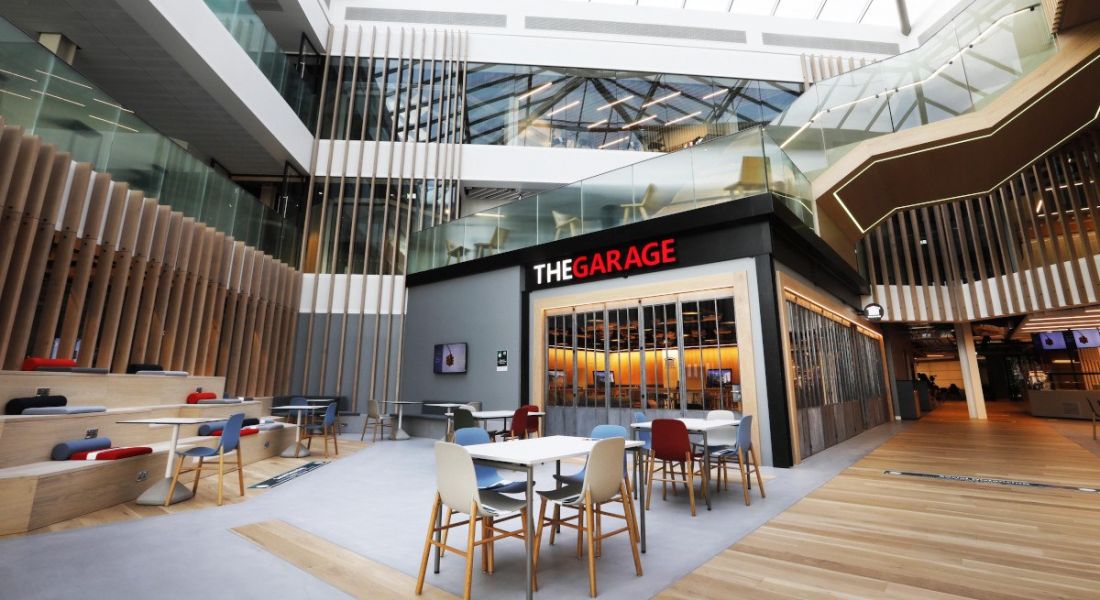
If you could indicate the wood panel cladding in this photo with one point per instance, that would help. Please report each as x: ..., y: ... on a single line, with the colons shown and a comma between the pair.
x: 1031, y: 245
x: 96, y: 271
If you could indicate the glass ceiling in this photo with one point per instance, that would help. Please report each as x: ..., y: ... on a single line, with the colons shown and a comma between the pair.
x: 866, y: 12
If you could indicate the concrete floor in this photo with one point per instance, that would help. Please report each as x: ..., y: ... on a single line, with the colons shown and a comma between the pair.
x: 376, y: 503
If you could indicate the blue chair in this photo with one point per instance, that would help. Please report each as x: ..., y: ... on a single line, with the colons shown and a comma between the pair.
x: 230, y: 442
x: 599, y: 432
x: 324, y: 429
x: 744, y: 455
x: 487, y: 477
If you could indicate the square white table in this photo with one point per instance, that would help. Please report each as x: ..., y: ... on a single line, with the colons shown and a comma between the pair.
x: 156, y: 495
x: 398, y: 433
x: 297, y: 449
x: 503, y: 415
x: 698, y: 426
x: 524, y: 455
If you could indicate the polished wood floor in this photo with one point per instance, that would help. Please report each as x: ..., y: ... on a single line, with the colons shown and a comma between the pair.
x: 207, y: 496
x: 866, y: 534
x: 346, y: 570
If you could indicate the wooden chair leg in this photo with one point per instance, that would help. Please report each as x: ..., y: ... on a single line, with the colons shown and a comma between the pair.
x: 446, y: 530
x: 335, y: 443
x: 221, y: 473
x: 324, y: 436
x: 485, y: 535
x: 649, y: 484
x: 492, y: 548
x: 240, y: 470
x: 759, y: 477
x: 554, y: 520
x: 741, y: 460
x: 581, y: 523
x: 198, y: 474
x: 590, y: 528
x: 175, y: 480
x: 631, y: 526
x: 538, y: 543
x: 470, y: 535
x: 427, y: 544
x: 690, y: 480
x: 599, y: 531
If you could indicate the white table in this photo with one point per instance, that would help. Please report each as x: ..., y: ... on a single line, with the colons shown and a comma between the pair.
x: 503, y: 415
x: 524, y: 455
x: 297, y: 450
x: 699, y: 426
x: 156, y: 495
x: 450, y: 406
x: 398, y: 433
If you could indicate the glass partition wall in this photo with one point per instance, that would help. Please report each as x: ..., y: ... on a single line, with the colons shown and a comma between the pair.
x: 669, y: 355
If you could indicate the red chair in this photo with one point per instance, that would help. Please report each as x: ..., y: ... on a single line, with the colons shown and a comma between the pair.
x: 672, y: 446
x: 523, y: 424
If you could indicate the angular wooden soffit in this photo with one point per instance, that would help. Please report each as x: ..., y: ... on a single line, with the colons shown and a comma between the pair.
x: 972, y: 154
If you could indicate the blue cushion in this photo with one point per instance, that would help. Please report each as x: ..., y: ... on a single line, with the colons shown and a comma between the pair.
x: 64, y: 450
x: 64, y: 410
x: 210, y: 428
x: 198, y: 451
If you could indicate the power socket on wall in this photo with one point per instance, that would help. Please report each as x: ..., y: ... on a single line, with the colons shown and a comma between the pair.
x: 42, y: 391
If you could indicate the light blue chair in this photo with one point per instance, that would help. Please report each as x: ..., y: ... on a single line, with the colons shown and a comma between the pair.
x: 487, y: 477
x: 743, y: 454
x: 230, y: 442
x: 599, y: 432
x: 326, y: 429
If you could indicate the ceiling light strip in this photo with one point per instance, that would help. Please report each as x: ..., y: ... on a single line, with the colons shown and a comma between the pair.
x: 684, y: 118
x: 613, y: 142
x: 619, y: 101
x: 662, y: 99
x: 116, y: 124
x: 597, y: 123
x: 531, y: 92
x: 639, y: 121
x: 563, y: 108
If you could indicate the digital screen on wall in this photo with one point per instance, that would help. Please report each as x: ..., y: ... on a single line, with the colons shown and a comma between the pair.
x: 1086, y: 338
x: 718, y: 377
x: 450, y: 358
x: 1050, y: 340
x: 599, y: 377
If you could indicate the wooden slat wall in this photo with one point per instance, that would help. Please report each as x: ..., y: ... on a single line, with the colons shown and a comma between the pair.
x: 1031, y: 245
x: 96, y: 271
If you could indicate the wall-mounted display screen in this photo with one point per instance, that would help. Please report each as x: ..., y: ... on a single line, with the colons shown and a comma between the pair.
x: 1086, y: 338
x: 718, y: 377
x: 600, y: 377
x: 450, y: 358
x: 1050, y: 340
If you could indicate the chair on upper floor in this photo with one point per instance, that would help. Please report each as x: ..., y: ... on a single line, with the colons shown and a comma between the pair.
x: 325, y: 429
x: 564, y: 223
x: 230, y: 442
x: 498, y: 239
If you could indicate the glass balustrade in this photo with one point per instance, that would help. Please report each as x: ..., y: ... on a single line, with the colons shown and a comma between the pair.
x: 721, y: 170
x: 50, y: 99
x: 965, y: 65
x: 281, y: 70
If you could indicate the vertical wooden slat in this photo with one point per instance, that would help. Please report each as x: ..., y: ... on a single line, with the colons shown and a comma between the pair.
x: 1018, y: 253
x: 968, y: 269
x: 190, y: 242
x: 251, y: 306
x: 1047, y: 295
x: 264, y: 346
x: 926, y: 311
x: 85, y: 260
x: 154, y: 269
x: 995, y: 281
x: 63, y: 253
x: 1066, y: 237
x: 252, y: 263
x: 101, y: 280
x: 1073, y: 193
x: 26, y: 304
x: 1052, y: 238
x: 196, y: 302
x: 127, y: 322
x: 895, y: 263
x: 258, y: 307
x: 120, y: 275
x: 200, y: 344
x: 21, y: 153
x: 973, y: 244
x: 233, y: 258
x: 908, y: 287
x: 178, y: 236
x: 229, y: 325
x: 939, y: 311
x: 953, y: 274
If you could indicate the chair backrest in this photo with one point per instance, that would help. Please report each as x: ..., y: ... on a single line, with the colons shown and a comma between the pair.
x: 464, y: 418
x: 469, y: 436
x: 649, y: 198
x: 602, y: 432
x: 519, y: 422
x: 561, y: 219
x: 670, y: 439
x: 604, y: 473
x: 231, y: 433
x: 532, y: 421
x: 744, y: 433
x: 643, y: 435
x: 330, y: 414
x: 454, y: 476
x: 298, y: 401
x: 726, y: 436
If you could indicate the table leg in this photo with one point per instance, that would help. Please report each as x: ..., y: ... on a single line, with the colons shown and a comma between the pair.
x: 155, y: 495
x: 296, y: 451
x: 706, y: 469
x: 557, y: 486
x: 529, y: 534
x: 439, y: 536
x: 398, y: 432
x: 640, y: 487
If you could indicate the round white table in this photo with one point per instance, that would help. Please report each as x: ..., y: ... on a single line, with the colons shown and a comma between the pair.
x: 298, y: 450
x: 156, y: 495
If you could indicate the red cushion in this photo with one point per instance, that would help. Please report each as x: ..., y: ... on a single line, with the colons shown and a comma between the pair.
x: 112, y: 453
x: 33, y: 363
x: 194, y: 397
x: 245, y: 431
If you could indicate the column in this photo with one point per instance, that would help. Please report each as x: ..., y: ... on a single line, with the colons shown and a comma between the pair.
x: 968, y: 360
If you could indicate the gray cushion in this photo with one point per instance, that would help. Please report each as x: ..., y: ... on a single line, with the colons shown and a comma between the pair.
x: 210, y: 428
x: 64, y: 410
x: 268, y: 426
x: 221, y: 401
x: 172, y: 373
x: 64, y: 450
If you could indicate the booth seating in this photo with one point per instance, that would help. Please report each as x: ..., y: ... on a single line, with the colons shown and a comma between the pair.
x: 16, y: 406
x: 37, y: 491
x: 95, y: 449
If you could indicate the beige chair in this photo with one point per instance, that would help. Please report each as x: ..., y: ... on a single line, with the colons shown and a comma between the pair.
x: 754, y: 176
x: 456, y: 251
x: 456, y: 485
x: 642, y: 207
x: 564, y: 222
x: 718, y: 440
x: 603, y: 483
x: 499, y: 237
